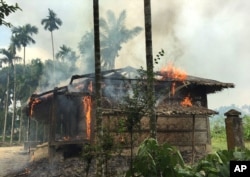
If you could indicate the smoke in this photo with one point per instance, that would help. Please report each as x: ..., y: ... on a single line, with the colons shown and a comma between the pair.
x: 206, y: 38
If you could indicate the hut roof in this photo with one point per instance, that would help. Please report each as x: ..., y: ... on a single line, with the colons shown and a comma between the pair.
x: 130, y: 73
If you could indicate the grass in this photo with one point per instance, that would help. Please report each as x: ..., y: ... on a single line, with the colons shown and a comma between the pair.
x: 220, y: 143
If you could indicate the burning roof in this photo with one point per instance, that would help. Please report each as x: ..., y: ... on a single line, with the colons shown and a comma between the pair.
x: 116, y: 84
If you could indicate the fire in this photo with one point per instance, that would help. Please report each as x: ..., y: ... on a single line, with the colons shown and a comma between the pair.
x: 186, y: 101
x: 87, y: 109
x: 174, y: 73
x: 33, y: 103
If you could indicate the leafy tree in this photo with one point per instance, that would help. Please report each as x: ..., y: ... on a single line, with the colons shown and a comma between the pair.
x: 6, y: 10
x: 8, y: 58
x: 154, y: 160
x: 22, y: 36
x: 246, y: 127
x: 51, y: 23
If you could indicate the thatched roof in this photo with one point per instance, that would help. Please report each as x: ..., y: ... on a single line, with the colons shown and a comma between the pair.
x: 130, y: 73
x: 177, y: 109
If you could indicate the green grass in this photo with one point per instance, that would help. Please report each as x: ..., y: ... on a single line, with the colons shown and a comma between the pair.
x: 220, y: 143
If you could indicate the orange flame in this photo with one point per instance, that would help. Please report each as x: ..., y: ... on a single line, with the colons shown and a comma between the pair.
x: 87, y: 109
x: 174, y: 73
x: 33, y: 103
x: 186, y: 101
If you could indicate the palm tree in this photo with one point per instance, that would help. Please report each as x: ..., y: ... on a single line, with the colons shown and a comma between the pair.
x: 150, y: 70
x: 63, y: 53
x: 114, y: 33
x: 9, y: 57
x: 22, y: 37
x: 51, y: 23
x: 99, y: 167
x: 66, y: 53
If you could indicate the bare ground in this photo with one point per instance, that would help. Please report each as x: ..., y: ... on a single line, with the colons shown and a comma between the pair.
x: 12, y: 159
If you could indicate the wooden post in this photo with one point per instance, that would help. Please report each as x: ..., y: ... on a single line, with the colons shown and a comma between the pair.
x: 234, y: 130
x: 193, y: 140
x: 52, y: 127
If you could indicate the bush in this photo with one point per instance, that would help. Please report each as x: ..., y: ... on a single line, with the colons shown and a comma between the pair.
x: 154, y: 160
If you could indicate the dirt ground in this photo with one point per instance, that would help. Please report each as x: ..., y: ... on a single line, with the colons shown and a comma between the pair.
x: 13, y: 159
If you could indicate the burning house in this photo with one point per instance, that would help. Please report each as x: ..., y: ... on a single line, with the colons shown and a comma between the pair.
x: 181, y: 109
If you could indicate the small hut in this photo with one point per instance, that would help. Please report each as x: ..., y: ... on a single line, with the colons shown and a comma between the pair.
x: 181, y: 109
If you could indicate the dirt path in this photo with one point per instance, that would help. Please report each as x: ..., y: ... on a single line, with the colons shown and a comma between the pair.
x: 12, y: 159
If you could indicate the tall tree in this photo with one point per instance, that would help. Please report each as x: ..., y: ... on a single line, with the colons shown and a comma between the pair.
x: 9, y: 57
x: 114, y: 34
x: 99, y: 128
x: 5, y: 10
x: 22, y: 36
x: 150, y: 67
x: 51, y: 23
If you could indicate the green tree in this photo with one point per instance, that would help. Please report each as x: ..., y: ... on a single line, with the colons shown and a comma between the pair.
x: 22, y: 36
x: 51, y: 23
x: 8, y: 58
x: 6, y: 10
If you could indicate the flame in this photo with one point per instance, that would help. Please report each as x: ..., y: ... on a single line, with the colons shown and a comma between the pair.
x: 174, y: 73
x: 33, y: 103
x: 186, y: 101
x: 87, y: 109
x: 66, y: 138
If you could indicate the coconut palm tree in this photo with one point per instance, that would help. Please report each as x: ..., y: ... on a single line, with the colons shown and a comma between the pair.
x: 22, y: 36
x: 149, y: 62
x: 9, y: 57
x: 113, y: 34
x: 51, y: 23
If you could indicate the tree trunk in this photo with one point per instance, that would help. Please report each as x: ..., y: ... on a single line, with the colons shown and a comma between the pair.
x: 53, y: 56
x: 99, y: 128
x: 24, y: 60
x: 14, y: 107
x: 6, y: 105
x: 150, y: 69
x: 20, y: 126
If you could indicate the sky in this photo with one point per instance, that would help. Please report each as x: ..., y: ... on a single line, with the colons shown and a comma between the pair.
x: 206, y: 38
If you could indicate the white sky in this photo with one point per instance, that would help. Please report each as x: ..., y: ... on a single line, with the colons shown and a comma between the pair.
x: 206, y: 38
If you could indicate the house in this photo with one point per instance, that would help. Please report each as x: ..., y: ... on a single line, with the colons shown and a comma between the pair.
x: 181, y: 109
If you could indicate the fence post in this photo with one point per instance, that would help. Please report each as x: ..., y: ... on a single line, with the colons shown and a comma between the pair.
x: 234, y: 130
